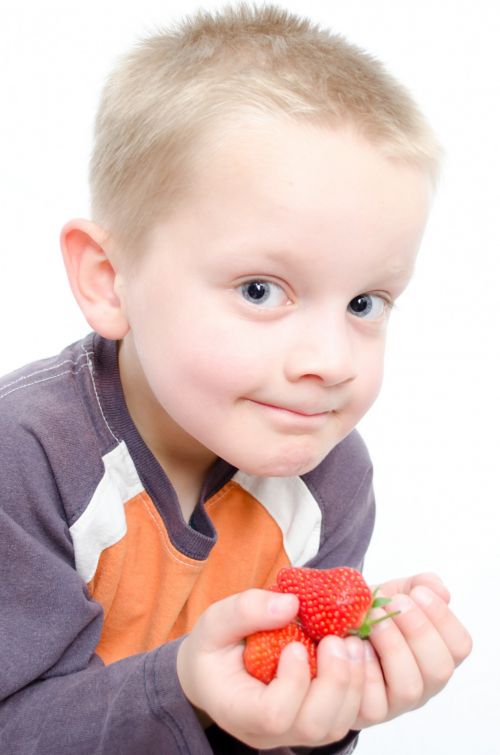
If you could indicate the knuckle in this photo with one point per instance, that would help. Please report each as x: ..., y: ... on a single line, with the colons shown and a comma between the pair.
x: 311, y: 731
x: 410, y: 695
x: 464, y: 647
x: 343, y: 677
x: 244, y: 603
x: 315, y: 734
x: 375, y: 713
x: 427, y: 576
x: 274, y: 721
x: 336, y: 735
x: 442, y: 674
x: 221, y: 712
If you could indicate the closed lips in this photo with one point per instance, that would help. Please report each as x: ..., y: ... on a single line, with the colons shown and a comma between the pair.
x: 301, y: 412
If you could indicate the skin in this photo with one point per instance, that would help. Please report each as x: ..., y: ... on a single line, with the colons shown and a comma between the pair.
x: 264, y: 299
x: 359, y: 683
x: 318, y: 217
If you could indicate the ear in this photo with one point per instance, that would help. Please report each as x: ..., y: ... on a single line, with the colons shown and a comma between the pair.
x: 92, y: 277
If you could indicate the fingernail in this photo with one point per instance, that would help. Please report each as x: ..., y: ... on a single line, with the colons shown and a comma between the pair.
x: 400, y: 603
x: 369, y: 651
x: 280, y: 604
x: 355, y: 650
x: 336, y: 647
x: 432, y: 575
x: 381, y: 616
x: 299, y: 651
x: 423, y: 595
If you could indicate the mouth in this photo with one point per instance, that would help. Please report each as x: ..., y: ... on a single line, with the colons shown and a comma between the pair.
x: 293, y: 411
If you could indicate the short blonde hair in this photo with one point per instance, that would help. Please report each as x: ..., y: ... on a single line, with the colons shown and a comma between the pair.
x: 179, y: 83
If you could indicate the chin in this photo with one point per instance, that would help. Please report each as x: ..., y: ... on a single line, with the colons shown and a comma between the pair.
x: 295, y: 462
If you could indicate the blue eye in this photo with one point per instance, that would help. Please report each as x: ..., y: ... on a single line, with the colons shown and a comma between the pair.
x: 263, y: 293
x: 368, y: 306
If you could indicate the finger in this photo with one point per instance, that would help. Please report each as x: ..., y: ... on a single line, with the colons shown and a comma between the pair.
x: 352, y: 699
x: 234, y: 618
x: 332, y: 704
x: 431, y: 653
x: 404, y: 683
x: 273, y: 713
x: 453, y: 633
x: 406, y: 584
x: 434, y: 583
x: 374, y: 706
x: 282, y: 699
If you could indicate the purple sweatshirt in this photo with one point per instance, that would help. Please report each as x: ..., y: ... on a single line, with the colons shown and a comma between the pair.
x: 101, y: 577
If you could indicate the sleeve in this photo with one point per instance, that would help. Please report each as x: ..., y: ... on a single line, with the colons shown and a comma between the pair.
x: 343, y: 486
x: 55, y: 693
x: 223, y: 743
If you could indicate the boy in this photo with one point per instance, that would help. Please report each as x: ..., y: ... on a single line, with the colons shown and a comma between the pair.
x: 260, y: 189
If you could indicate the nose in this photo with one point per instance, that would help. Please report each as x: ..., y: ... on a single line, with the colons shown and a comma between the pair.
x: 322, y: 350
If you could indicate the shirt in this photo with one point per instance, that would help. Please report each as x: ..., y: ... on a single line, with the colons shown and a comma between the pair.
x: 101, y: 577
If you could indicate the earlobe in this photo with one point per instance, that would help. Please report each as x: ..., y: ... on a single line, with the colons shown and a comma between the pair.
x: 93, y: 278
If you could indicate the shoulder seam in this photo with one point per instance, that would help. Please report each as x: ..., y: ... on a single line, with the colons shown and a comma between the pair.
x: 89, y: 355
x: 39, y: 372
x: 42, y: 380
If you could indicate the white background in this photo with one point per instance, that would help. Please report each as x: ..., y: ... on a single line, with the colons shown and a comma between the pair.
x: 433, y: 434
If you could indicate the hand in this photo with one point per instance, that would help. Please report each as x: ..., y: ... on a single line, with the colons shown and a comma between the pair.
x: 292, y: 710
x: 411, y: 657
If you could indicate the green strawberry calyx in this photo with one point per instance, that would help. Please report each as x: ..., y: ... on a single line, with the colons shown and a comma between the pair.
x: 365, y: 628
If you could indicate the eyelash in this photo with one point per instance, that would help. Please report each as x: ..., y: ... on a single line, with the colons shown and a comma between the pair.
x: 259, y: 282
x: 387, y: 305
x: 260, y: 285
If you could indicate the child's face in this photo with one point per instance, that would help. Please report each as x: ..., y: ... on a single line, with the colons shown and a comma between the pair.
x: 258, y: 314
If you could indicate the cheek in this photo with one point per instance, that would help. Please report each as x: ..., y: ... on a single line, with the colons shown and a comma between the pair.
x: 225, y: 353
x: 376, y: 376
x: 370, y: 370
x: 193, y: 363
x: 373, y: 373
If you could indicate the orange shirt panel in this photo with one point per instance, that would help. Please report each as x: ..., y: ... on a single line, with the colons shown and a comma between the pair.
x: 248, y: 553
x: 142, y: 582
x: 152, y: 593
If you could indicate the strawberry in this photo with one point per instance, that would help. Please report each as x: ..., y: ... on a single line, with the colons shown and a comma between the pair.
x: 332, y: 601
x: 263, y: 650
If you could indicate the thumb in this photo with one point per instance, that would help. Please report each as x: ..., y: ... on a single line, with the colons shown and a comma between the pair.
x: 231, y: 620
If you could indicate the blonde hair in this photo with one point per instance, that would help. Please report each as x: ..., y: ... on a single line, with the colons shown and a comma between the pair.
x: 177, y: 84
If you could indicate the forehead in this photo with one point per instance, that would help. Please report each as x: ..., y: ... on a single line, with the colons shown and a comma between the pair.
x: 298, y: 162
x: 272, y: 184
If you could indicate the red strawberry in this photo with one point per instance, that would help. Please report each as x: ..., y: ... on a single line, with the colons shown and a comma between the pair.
x: 332, y: 601
x: 263, y: 650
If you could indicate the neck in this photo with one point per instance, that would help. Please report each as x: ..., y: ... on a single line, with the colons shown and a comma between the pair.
x: 184, y: 460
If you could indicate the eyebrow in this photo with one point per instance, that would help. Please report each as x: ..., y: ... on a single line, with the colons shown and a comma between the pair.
x: 396, y: 272
x: 395, y: 276
x: 246, y: 252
